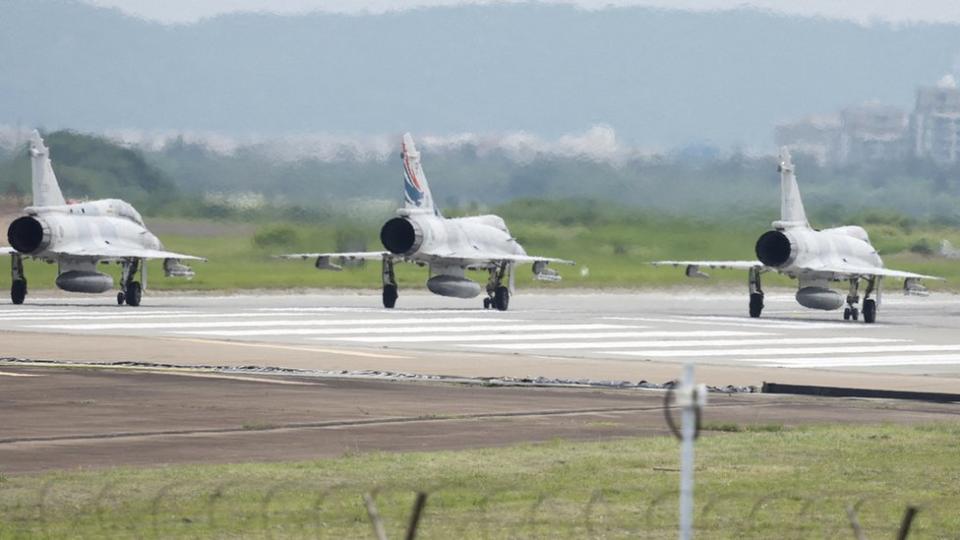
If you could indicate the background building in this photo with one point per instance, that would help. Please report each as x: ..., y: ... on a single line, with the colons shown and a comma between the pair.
x: 935, y: 122
x: 871, y: 132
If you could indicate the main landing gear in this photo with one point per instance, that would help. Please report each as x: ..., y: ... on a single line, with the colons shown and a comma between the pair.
x: 498, y: 295
x: 389, y: 284
x: 130, y: 290
x: 756, y: 293
x: 18, y: 282
x: 851, y: 313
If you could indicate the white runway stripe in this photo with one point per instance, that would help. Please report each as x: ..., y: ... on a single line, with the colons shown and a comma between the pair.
x: 745, y: 323
x: 109, y: 312
x: 258, y: 324
x: 79, y: 317
x: 666, y: 344
x: 492, y: 314
x: 791, y: 351
x: 404, y: 330
x: 522, y: 340
x: 501, y: 336
x: 864, y: 361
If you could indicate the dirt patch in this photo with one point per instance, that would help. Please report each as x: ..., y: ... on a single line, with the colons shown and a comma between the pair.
x: 65, y: 418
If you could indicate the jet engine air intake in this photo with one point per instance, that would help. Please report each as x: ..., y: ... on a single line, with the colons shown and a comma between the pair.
x: 28, y: 234
x: 401, y: 236
x: 774, y: 249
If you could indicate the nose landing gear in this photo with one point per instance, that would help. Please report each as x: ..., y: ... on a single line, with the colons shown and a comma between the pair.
x: 130, y: 290
x: 851, y: 313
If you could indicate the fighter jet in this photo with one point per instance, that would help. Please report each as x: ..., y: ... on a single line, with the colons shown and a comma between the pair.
x: 78, y: 236
x: 816, y: 258
x: 448, y: 246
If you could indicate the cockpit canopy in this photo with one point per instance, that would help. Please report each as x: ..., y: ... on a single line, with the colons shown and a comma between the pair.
x: 124, y: 210
x: 492, y: 221
x: 853, y: 231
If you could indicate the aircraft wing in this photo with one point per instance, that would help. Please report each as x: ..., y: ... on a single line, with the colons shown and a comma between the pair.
x: 356, y: 255
x: 523, y: 259
x: 853, y: 271
x: 109, y: 251
x: 323, y: 260
x: 723, y: 265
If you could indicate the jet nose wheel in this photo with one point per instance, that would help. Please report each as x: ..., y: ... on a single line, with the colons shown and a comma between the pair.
x: 121, y: 298
x: 487, y: 303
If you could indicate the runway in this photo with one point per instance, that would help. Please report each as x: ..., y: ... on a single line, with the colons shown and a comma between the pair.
x: 63, y: 418
x: 600, y: 332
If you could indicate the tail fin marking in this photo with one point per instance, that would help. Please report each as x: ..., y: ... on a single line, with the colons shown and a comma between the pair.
x: 416, y: 190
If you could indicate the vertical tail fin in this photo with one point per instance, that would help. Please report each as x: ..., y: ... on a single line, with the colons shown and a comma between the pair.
x: 792, y: 213
x: 416, y: 191
x: 46, y: 190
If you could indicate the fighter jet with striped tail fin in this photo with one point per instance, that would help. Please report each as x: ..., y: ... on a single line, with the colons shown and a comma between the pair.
x: 79, y: 236
x: 448, y: 246
x: 815, y: 258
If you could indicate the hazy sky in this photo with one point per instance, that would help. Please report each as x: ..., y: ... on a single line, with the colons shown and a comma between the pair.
x: 861, y: 11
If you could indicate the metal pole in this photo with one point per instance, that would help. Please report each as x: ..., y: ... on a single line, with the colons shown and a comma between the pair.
x: 688, y: 404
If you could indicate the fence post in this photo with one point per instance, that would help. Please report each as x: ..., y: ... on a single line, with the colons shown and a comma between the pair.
x: 418, y: 505
x: 375, y: 520
x: 907, y: 522
x: 691, y: 399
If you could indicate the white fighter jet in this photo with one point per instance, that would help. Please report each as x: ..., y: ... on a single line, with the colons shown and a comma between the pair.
x: 448, y: 246
x: 78, y: 236
x: 815, y: 258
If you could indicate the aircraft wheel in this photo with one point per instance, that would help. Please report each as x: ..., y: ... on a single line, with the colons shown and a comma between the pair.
x: 18, y: 291
x: 501, y: 298
x: 120, y: 298
x: 869, y: 311
x: 854, y: 314
x: 486, y: 303
x: 756, y: 305
x: 390, y: 296
x: 133, y: 294
x: 846, y: 314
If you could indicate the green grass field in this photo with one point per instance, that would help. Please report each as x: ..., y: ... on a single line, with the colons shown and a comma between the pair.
x: 609, y: 255
x: 751, y: 483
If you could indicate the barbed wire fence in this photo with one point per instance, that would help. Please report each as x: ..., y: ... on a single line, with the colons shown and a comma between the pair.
x: 295, y: 509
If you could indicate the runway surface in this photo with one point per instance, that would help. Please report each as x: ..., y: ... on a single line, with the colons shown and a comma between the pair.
x: 914, y: 335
